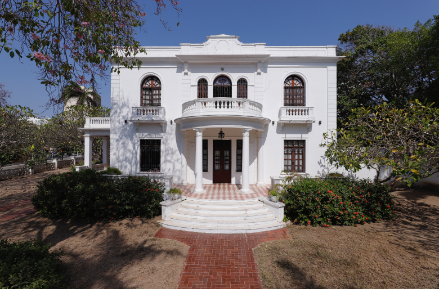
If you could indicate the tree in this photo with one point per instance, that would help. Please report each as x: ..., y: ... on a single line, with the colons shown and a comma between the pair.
x: 382, y: 64
x: 79, y: 95
x: 74, y: 40
x: 4, y: 94
x: 405, y: 139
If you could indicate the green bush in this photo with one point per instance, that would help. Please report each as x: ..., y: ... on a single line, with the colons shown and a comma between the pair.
x: 175, y: 191
x: 111, y: 171
x: 29, y: 264
x: 336, y: 201
x: 88, y: 195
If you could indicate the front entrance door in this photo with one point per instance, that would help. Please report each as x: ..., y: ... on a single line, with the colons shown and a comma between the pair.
x: 222, y: 161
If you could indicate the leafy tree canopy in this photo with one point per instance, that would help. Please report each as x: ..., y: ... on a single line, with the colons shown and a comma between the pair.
x: 405, y: 139
x: 383, y: 64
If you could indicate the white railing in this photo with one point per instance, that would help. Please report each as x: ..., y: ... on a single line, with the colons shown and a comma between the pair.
x: 148, y: 113
x: 222, y: 106
x: 97, y: 122
x: 296, y: 113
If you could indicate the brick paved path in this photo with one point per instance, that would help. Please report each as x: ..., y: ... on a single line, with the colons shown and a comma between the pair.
x: 224, y: 192
x: 10, y: 211
x: 220, y: 260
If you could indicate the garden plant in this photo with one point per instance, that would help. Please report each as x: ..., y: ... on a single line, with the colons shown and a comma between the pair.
x: 88, y: 195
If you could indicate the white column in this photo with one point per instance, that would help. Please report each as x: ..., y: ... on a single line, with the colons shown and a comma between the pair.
x: 260, y: 159
x: 88, y: 151
x: 199, y: 161
x: 105, y: 150
x: 245, y: 160
x: 184, y: 135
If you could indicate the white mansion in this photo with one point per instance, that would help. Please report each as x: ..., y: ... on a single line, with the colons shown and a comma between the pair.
x: 221, y: 112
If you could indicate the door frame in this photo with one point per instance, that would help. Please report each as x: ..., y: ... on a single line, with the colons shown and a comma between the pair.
x: 223, y: 177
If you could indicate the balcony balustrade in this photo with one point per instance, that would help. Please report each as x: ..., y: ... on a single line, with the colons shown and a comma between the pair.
x: 97, y: 122
x: 222, y: 106
x: 296, y: 114
x: 145, y: 114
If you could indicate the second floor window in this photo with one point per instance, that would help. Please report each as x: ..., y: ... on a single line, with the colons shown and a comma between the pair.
x: 222, y: 87
x: 294, y: 91
x: 242, y: 88
x: 202, y: 88
x: 151, y: 92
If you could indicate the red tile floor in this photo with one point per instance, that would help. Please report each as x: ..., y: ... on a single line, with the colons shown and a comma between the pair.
x: 220, y: 260
x: 224, y: 192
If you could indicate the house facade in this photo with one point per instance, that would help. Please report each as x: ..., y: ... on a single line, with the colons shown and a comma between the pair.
x: 221, y: 112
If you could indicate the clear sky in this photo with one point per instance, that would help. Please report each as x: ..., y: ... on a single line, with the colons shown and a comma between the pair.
x: 274, y: 22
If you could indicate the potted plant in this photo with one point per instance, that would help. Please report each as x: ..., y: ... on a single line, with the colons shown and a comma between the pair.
x: 174, y: 194
x: 273, y: 196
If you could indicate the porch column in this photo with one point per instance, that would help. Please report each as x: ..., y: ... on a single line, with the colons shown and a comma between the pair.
x: 105, y: 150
x: 199, y: 161
x: 260, y: 160
x: 245, y: 160
x: 183, y: 158
x: 88, y: 151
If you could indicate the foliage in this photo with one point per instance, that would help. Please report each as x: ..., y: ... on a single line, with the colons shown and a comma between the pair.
x: 274, y: 193
x: 336, y: 201
x: 4, y: 94
x: 89, y: 195
x: 29, y: 264
x: 81, y: 95
x: 383, y: 64
x: 111, y: 171
x: 74, y: 40
x: 20, y: 140
x: 62, y: 132
x: 175, y: 191
x: 405, y: 139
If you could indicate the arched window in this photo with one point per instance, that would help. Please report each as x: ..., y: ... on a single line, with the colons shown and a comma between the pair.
x: 151, y: 92
x: 242, y: 88
x: 222, y: 87
x: 202, y: 88
x: 294, y: 91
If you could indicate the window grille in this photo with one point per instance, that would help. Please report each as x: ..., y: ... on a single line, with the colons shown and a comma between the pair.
x: 205, y: 156
x: 151, y: 92
x: 149, y: 155
x: 242, y: 88
x: 239, y: 155
x: 202, y: 88
x: 294, y: 156
x: 222, y: 87
x: 294, y: 92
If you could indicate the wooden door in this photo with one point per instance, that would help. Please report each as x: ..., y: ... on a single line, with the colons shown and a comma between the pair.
x: 222, y: 161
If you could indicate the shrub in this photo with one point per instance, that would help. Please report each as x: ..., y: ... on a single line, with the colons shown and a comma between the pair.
x: 29, y: 264
x: 111, y: 171
x: 336, y: 201
x: 175, y: 191
x: 274, y: 193
x: 89, y: 195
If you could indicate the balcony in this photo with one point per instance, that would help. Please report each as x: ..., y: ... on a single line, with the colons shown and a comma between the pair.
x: 296, y: 114
x: 222, y: 107
x: 97, y: 123
x: 148, y: 114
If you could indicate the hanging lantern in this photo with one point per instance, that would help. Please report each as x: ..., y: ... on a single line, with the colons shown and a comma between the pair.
x: 221, y: 134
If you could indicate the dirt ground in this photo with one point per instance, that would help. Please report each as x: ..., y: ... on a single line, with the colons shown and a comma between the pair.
x: 123, y: 254
x: 402, y: 253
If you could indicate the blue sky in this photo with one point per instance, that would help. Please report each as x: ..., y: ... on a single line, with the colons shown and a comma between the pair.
x: 274, y: 22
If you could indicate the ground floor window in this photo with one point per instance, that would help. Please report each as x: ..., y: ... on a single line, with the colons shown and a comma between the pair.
x: 294, y: 156
x: 205, y: 156
x: 239, y: 155
x: 150, y: 155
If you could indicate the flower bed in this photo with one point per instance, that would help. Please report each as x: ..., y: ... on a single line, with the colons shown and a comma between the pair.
x: 29, y: 264
x: 336, y: 202
x: 90, y: 196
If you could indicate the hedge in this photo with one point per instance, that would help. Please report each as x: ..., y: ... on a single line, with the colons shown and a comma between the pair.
x: 336, y: 202
x: 87, y: 195
x: 29, y: 264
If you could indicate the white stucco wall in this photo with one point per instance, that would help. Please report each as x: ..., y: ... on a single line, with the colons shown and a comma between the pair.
x: 265, y: 69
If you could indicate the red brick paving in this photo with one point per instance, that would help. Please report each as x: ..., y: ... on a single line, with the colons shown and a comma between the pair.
x: 220, y: 260
x: 14, y: 213
x: 224, y: 192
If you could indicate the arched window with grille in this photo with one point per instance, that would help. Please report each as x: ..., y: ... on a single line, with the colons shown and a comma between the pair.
x: 222, y: 87
x: 202, y: 88
x: 242, y: 88
x: 151, y: 92
x: 294, y: 91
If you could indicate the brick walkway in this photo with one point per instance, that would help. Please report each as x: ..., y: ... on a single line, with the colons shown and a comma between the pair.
x: 220, y: 260
x: 224, y: 192
x: 9, y: 211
